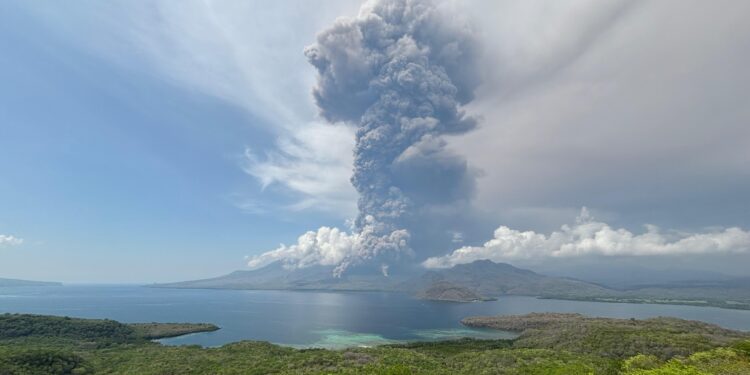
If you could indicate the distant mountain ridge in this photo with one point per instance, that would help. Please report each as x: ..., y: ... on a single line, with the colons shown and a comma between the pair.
x: 16, y: 282
x: 480, y: 280
x: 446, y: 291
x: 490, y: 280
x: 628, y: 276
x: 276, y: 277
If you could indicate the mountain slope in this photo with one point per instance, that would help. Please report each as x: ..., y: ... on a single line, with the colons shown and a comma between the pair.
x: 276, y: 277
x: 445, y: 291
x: 629, y: 276
x: 480, y: 280
x: 490, y: 279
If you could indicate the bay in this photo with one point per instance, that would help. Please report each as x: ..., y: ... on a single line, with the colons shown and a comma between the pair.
x: 316, y: 318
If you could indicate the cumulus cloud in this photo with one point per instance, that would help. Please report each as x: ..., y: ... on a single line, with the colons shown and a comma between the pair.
x: 333, y: 247
x: 8, y: 240
x: 590, y: 237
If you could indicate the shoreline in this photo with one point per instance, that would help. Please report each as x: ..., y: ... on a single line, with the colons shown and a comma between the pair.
x: 727, y: 305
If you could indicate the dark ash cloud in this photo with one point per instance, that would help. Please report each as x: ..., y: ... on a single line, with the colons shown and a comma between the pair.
x: 400, y: 73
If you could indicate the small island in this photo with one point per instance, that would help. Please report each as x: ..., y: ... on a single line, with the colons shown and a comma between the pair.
x: 448, y: 292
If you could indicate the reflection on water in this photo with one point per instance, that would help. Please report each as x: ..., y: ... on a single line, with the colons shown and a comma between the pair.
x: 317, y: 319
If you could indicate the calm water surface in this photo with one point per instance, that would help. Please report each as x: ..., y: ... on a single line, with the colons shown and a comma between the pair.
x: 321, y: 319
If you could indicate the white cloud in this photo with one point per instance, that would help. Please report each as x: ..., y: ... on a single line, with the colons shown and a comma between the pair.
x: 314, y: 164
x: 334, y: 247
x: 457, y: 237
x: 248, y: 54
x: 8, y: 240
x: 589, y: 237
x: 243, y: 52
x: 325, y: 247
x: 619, y: 104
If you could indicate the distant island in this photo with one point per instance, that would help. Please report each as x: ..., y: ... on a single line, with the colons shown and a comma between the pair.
x: 446, y: 291
x: 481, y: 280
x: 548, y: 344
x: 15, y: 282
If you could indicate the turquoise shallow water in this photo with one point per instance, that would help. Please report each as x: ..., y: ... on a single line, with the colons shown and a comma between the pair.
x: 317, y: 319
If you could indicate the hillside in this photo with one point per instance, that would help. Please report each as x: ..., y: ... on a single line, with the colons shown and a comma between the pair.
x: 628, y: 276
x: 104, y: 331
x: 276, y: 277
x: 621, y: 338
x: 445, y: 291
x: 15, y: 282
x: 549, y: 344
x: 467, y: 282
x: 490, y: 279
x: 729, y: 294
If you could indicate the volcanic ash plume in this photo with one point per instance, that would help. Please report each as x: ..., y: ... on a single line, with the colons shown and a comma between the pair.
x: 399, y: 71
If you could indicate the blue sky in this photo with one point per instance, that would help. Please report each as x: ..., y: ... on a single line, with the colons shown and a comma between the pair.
x: 109, y: 167
x: 157, y: 141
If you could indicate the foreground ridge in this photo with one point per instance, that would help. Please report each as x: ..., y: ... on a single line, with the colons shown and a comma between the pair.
x: 548, y: 344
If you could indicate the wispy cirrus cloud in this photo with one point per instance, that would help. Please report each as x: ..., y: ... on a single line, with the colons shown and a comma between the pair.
x: 245, y: 54
x: 313, y: 165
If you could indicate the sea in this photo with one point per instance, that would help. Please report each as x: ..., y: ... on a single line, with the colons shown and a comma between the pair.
x: 321, y: 319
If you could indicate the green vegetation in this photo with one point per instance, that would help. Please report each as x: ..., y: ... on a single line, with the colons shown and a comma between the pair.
x: 717, y: 361
x: 548, y: 344
x: 663, y: 338
x: 445, y: 291
x: 164, y: 330
x: 22, y: 328
x: 102, y: 332
x: 38, y: 361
